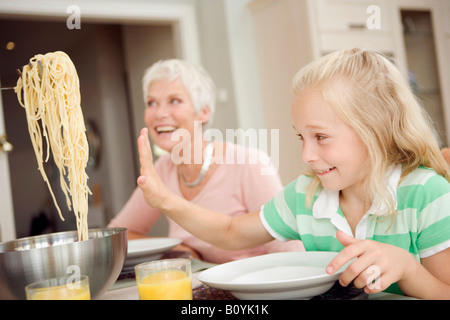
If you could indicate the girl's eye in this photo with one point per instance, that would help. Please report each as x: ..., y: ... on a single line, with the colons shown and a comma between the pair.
x: 150, y: 103
x: 320, y: 137
x: 175, y: 101
x: 300, y: 137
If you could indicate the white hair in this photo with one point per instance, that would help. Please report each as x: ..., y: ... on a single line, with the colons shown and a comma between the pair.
x: 197, y: 81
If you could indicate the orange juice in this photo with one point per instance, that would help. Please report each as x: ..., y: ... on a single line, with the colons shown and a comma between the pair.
x: 165, y: 285
x: 62, y: 288
x: 62, y: 292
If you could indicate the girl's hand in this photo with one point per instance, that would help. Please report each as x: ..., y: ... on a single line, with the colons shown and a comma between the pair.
x: 376, y: 267
x: 155, y: 192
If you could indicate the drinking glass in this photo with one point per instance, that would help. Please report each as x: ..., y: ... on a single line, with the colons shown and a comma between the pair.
x: 168, y: 279
x: 62, y: 288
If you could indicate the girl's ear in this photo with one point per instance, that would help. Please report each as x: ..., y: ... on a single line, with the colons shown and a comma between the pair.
x: 204, y: 114
x: 446, y: 154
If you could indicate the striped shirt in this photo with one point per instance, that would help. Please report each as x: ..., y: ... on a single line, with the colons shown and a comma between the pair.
x: 421, y: 226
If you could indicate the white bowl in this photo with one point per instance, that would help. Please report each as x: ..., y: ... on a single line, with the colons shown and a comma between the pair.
x: 275, y: 276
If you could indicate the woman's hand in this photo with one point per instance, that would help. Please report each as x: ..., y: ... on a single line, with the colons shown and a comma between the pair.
x: 193, y: 254
x: 154, y: 190
x: 221, y: 230
x: 377, y: 265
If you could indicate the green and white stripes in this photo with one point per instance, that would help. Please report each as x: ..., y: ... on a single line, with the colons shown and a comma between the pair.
x: 422, y: 225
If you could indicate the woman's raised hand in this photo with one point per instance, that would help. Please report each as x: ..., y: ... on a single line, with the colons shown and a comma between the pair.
x: 149, y: 182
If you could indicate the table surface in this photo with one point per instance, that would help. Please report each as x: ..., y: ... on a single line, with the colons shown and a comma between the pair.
x: 125, y: 289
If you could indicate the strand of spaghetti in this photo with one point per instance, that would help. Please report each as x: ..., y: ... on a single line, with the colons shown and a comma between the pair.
x: 49, y: 91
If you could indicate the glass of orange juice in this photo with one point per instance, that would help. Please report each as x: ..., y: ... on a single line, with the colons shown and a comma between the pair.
x: 168, y: 279
x: 62, y: 288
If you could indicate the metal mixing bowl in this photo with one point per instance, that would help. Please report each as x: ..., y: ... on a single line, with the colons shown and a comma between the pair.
x: 31, y: 259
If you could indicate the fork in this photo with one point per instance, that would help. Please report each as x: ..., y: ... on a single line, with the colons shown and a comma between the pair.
x: 40, y: 72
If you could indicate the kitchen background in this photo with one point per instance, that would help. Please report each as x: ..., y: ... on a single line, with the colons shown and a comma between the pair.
x: 251, y: 48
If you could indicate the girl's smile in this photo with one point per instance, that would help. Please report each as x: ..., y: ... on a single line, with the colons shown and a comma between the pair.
x: 324, y: 172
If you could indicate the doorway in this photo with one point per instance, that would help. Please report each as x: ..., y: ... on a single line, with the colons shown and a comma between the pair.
x: 423, y: 66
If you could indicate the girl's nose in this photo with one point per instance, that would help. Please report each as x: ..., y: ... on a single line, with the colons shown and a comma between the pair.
x: 309, y: 153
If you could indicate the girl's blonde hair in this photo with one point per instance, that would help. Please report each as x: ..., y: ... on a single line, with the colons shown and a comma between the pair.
x: 377, y: 102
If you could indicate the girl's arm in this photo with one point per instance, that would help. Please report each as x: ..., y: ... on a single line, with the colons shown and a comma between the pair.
x: 432, y: 278
x: 223, y: 231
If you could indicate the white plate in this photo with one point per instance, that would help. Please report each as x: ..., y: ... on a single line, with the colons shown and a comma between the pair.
x: 144, y: 247
x: 275, y: 276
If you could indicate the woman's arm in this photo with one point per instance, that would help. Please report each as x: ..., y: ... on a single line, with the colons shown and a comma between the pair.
x: 134, y: 235
x: 136, y: 216
x: 223, y: 231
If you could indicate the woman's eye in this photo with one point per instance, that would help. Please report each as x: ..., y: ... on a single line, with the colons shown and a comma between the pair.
x: 175, y: 101
x: 150, y: 103
x: 321, y: 137
x: 300, y: 137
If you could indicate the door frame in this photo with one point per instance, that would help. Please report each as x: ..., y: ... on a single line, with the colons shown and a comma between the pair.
x: 182, y: 18
x: 7, y: 222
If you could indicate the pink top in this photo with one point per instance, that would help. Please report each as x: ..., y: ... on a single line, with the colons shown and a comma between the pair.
x: 233, y: 189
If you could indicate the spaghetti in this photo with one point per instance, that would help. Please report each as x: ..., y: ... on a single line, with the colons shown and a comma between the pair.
x: 49, y: 91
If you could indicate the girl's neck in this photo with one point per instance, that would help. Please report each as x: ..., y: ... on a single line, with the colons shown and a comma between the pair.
x: 354, y: 206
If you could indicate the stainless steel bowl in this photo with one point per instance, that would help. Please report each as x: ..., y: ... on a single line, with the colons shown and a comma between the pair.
x: 31, y: 259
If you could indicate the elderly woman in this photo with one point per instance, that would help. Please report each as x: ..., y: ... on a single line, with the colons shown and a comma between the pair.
x: 180, y: 101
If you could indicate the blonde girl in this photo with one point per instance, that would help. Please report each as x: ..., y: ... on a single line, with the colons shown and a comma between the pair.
x: 377, y: 190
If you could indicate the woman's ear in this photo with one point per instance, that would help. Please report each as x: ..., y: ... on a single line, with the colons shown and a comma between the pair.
x: 204, y: 114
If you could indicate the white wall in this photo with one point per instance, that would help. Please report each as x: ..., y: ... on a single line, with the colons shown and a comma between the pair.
x: 244, y: 64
